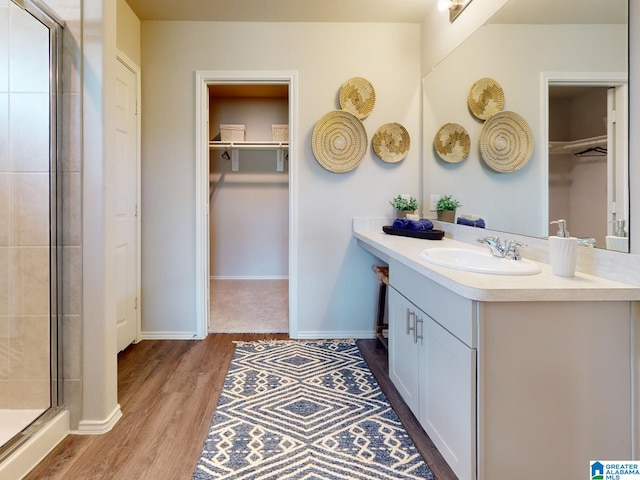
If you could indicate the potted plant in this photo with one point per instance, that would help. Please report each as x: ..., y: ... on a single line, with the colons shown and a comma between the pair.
x: 404, y: 204
x: 446, y: 207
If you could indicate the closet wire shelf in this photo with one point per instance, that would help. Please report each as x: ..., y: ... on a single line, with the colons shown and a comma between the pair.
x: 281, y: 149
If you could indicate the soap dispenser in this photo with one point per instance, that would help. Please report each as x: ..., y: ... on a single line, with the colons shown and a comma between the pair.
x: 563, y: 251
x: 620, y: 228
x: 619, y: 241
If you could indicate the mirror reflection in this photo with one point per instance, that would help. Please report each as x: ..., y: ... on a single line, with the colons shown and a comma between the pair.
x: 564, y: 72
x: 584, y: 161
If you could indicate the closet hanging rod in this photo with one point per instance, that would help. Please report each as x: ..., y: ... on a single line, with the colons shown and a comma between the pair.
x: 592, y: 152
x: 247, y: 145
x: 576, y: 145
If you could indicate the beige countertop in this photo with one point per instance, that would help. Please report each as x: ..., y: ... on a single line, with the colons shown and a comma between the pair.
x: 544, y: 286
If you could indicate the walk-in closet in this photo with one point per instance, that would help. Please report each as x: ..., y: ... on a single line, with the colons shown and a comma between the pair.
x: 578, y: 160
x: 248, y: 208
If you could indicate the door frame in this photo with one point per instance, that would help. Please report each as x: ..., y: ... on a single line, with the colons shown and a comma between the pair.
x: 131, y: 65
x: 617, y: 80
x: 204, y: 78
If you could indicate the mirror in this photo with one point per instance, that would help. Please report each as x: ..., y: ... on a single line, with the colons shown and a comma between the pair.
x: 532, y: 49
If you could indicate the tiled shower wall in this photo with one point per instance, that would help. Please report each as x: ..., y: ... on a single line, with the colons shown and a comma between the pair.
x: 24, y: 212
x: 24, y: 291
x: 71, y: 172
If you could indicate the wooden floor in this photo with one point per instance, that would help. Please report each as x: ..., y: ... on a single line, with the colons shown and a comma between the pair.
x: 168, y: 390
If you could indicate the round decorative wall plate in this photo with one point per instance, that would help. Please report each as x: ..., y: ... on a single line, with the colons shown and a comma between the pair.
x: 391, y: 142
x: 339, y: 141
x: 358, y: 97
x: 506, y: 142
x: 486, y: 98
x: 452, y: 143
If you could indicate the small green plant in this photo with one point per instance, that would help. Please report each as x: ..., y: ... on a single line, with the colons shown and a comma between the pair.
x: 446, y: 202
x: 404, y: 203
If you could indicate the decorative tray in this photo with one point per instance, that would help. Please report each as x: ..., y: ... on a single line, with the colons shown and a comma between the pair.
x: 424, y: 234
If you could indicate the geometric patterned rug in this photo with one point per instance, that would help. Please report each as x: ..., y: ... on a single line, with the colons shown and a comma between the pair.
x: 305, y: 410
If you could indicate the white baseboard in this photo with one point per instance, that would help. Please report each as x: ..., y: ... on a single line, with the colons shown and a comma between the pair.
x: 98, y: 427
x: 27, y: 456
x: 307, y: 335
x: 310, y: 335
x: 169, y: 336
x: 268, y: 277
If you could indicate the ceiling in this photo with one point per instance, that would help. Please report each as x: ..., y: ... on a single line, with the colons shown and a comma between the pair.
x: 371, y: 11
x: 367, y: 11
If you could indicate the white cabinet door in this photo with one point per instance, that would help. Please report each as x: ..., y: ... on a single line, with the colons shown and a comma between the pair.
x: 448, y: 402
x: 403, y: 349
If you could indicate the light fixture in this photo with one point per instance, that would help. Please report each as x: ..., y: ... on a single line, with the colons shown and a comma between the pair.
x: 455, y: 7
x: 444, y: 5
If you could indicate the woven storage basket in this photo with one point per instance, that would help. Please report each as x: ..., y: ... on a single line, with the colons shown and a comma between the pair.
x: 391, y: 142
x: 452, y: 143
x: 280, y: 133
x: 506, y: 142
x: 232, y: 133
x: 357, y: 96
x: 339, y: 141
x: 485, y: 98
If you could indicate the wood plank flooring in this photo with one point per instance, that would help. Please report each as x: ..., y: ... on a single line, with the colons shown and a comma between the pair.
x: 168, y: 390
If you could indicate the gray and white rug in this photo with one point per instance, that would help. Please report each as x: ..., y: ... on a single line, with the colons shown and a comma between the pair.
x: 305, y: 410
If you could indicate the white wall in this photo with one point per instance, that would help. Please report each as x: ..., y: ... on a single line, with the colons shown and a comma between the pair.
x: 336, y: 288
x: 517, y: 66
x: 128, y: 32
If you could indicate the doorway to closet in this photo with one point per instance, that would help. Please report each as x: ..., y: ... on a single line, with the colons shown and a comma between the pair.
x: 588, y: 182
x: 246, y: 201
x: 248, y: 208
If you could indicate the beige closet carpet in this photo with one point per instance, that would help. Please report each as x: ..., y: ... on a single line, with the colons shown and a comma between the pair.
x: 249, y: 306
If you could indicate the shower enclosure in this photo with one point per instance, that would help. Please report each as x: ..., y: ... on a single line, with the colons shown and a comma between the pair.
x: 29, y: 212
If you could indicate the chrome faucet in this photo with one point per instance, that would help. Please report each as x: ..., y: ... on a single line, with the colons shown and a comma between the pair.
x: 503, y: 249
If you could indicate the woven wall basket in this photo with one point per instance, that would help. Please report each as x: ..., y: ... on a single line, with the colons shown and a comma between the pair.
x: 339, y: 141
x: 506, y: 142
x: 486, y: 98
x: 452, y: 143
x: 357, y: 96
x: 391, y: 142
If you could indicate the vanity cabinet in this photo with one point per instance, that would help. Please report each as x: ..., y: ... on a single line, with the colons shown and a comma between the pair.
x: 502, y: 387
x: 433, y: 369
x: 404, y: 349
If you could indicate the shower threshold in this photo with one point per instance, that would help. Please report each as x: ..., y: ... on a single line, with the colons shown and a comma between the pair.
x: 13, y: 422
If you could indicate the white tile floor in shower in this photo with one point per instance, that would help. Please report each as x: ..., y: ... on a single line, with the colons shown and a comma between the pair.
x: 14, y: 421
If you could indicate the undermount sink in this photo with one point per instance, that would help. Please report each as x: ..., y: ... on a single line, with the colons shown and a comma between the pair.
x: 478, y: 261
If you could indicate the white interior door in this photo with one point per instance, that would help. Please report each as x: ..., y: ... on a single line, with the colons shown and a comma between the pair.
x: 126, y: 211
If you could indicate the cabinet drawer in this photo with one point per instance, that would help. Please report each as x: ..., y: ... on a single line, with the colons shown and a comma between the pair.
x: 453, y: 312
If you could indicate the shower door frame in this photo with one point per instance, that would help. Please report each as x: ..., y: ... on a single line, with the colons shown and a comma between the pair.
x: 55, y: 25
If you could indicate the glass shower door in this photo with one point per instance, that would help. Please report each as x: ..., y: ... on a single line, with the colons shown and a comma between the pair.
x: 28, y: 190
